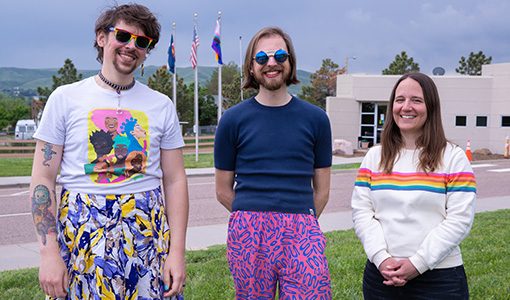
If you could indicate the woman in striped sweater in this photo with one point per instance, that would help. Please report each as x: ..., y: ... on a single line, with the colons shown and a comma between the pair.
x: 414, y: 201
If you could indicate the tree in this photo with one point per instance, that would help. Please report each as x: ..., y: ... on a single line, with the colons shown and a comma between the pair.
x: 323, y: 84
x: 12, y: 110
x: 401, y: 65
x: 232, y: 92
x: 207, y: 112
x: 230, y: 85
x: 207, y: 109
x: 161, y: 82
x: 227, y: 74
x: 68, y: 75
x: 473, y: 65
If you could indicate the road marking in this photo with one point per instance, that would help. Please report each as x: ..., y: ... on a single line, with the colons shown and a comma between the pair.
x: 15, y: 215
x: 21, y: 193
x: 15, y: 194
x: 499, y: 170
x: 204, y: 183
x: 482, y: 166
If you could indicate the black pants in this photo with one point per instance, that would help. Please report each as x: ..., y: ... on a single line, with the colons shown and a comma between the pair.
x: 448, y: 284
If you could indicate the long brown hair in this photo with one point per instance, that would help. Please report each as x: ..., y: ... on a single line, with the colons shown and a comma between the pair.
x: 433, y: 140
x: 249, y: 81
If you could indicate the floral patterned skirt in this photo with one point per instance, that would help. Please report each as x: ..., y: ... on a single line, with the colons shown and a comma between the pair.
x: 114, y: 246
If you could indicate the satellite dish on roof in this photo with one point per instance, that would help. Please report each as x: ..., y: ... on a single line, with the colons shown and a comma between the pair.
x: 438, y: 71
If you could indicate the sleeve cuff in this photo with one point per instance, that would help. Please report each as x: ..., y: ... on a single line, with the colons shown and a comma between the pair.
x: 419, y: 263
x: 379, y: 257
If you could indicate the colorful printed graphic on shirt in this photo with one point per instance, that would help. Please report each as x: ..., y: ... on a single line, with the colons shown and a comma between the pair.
x: 117, y: 145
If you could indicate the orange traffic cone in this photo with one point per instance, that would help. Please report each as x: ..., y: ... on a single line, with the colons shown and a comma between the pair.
x: 506, y: 147
x: 468, y: 151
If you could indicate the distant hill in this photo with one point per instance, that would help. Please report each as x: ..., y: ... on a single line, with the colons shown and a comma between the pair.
x: 30, y: 79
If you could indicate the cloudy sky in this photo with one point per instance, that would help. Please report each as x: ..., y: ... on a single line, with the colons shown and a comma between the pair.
x: 42, y: 34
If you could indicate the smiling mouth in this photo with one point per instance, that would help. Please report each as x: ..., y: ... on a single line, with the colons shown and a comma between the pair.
x: 408, y: 117
x: 127, y: 56
x: 272, y: 73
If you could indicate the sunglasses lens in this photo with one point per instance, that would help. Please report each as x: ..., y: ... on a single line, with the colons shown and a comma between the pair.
x: 123, y: 36
x: 142, y: 42
x: 281, y: 56
x: 261, y: 58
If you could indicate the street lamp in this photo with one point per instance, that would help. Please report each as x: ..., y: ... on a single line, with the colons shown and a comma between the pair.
x: 347, y: 63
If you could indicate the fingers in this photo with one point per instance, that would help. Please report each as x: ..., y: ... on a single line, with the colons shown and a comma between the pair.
x: 54, y: 288
x: 173, y: 284
x: 395, y: 281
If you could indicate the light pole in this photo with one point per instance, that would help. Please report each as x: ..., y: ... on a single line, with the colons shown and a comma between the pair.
x: 347, y: 63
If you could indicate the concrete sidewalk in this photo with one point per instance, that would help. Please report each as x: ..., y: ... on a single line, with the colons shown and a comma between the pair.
x: 21, y: 256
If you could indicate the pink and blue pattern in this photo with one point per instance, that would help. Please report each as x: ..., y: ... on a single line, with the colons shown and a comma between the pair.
x: 266, y: 248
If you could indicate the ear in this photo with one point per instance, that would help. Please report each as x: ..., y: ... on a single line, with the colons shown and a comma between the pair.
x: 101, y: 38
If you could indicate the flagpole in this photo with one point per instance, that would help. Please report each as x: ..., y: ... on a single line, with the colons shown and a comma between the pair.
x: 220, y: 97
x: 174, y: 91
x: 241, y: 65
x: 196, y: 99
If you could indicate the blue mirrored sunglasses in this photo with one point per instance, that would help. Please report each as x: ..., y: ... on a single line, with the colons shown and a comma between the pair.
x: 263, y: 57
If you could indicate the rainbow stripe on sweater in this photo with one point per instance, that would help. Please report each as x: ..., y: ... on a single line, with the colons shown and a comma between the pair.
x: 440, y: 183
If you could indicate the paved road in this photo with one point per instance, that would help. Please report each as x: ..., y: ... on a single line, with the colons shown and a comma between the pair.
x: 16, y: 219
x: 493, y: 180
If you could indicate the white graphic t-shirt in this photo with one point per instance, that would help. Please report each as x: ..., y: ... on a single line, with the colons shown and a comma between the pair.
x: 107, y: 152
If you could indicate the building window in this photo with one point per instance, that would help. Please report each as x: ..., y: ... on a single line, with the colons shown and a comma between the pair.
x: 372, y: 121
x: 368, y: 107
x: 481, y: 121
x: 505, y: 121
x: 461, y: 121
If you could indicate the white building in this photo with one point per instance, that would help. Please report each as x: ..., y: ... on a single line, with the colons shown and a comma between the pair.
x: 475, y: 108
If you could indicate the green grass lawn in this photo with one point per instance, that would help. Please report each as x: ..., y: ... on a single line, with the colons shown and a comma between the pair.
x: 23, y: 166
x: 485, y: 251
x: 15, y: 166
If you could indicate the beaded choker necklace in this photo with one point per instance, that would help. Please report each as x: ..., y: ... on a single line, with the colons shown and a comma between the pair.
x: 118, y: 89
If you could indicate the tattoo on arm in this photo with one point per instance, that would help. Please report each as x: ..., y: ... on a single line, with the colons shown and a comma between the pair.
x: 48, y: 152
x: 44, y: 220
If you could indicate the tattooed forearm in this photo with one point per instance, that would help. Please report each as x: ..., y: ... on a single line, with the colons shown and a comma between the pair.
x: 48, y: 152
x: 44, y: 220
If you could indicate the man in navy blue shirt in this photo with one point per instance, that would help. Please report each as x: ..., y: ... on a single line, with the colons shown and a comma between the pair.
x: 273, y: 158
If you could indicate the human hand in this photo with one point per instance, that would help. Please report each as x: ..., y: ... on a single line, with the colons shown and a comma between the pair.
x: 174, y: 274
x: 53, y: 275
x: 387, y: 265
x: 400, y: 272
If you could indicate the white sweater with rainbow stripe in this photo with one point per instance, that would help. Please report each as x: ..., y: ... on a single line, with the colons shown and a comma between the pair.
x: 409, y: 214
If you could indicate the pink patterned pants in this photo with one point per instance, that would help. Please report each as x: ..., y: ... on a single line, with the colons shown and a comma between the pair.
x: 266, y: 248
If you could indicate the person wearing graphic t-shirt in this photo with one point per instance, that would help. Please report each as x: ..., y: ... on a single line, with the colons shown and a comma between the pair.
x: 114, y: 231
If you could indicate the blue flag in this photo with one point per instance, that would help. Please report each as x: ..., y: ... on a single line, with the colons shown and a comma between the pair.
x: 171, y: 56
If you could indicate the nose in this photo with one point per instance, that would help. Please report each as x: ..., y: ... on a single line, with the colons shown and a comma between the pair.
x: 131, y: 43
x: 407, y: 105
x: 272, y: 61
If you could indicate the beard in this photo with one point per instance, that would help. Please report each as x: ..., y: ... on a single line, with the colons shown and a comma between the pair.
x: 272, y: 84
x: 121, y: 68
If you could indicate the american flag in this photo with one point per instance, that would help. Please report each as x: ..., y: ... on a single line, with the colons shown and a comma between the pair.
x: 194, y: 46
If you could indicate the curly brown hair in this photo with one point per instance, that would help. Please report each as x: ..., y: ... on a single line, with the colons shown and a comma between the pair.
x: 132, y: 14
